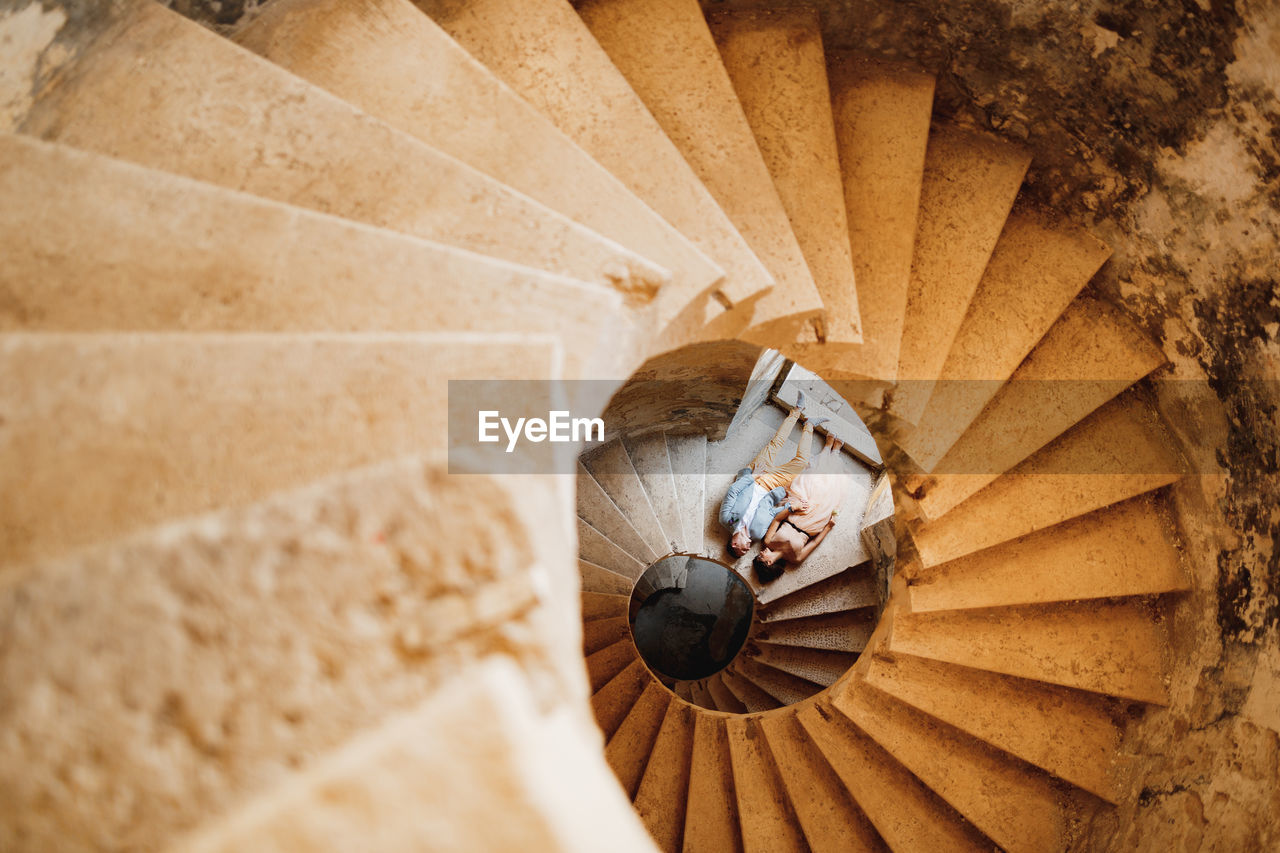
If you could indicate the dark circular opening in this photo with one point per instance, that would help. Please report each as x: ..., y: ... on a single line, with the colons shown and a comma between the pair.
x: 690, y: 616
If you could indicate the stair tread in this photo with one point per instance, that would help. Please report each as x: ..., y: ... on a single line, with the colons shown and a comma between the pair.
x: 688, y: 457
x: 883, y: 112
x: 970, y: 181
x: 595, y: 547
x: 628, y: 749
x: 1014, y: 806
x: 363, y: 52
x: 612, y: 702
x: 612, y: 469
x: 603, y: 665
x: 1039, y: 265
x: 1113, y: 648
x: 847, y: 631
x: 302, y: 146
x: 711, y: 820
x: 753, y: 698
x: 723, y: 698
x: 828, y: 816
x: 764, y: 809
x: 195, y: 257
x: 600, y: 633
x: 662, y: 798
x: 1068, y: 733
x: 603, y: 605
x: 542, y: 50
x: 1089, y: 356
x: 701, y: 695
x: 820, y: 666
x: 906, y: 814
x: 596, y: 508
x: 1119, y: 451
x: 781, y: 685
x: 666, y: 52
x: 851, y: 589
x: 778, y: 69
x: 1122, y: 550
x: 599, y: 579
x: 153, y: 427
x: 649, y: 457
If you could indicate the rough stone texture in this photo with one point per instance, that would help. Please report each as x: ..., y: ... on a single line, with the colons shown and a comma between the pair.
x: 149, y: 686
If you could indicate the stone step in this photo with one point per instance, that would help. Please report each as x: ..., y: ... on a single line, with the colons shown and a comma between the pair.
x: 207, y: 109
x: 752, y: 698
x: 667, y: 54
x: 598, y: 509
x: 723, y: 698
x: 970, y: 181
x: 1113, y: 648
x: 1091, y: 354
x: 764, y: 809
x: 819, y: 666
x: 543, y: 51
x: 1122, y: 550
x: 702, y: 695
x: 628, y: 750
x: 1068, y: 733
x: 883, y: 111
x: 364, y: 51
x: 1012, y: 804
x: 336, y: 587
x: 153, y: 427
x: 663, y: 795
x: 595, y: 547
x: 1039, y: 265
x: 683, y: 690
x: 828, y: 816
x: 1120, y: 451
x: 600, y: 633
x: 850, y: 590
x: 612, y: 702
x: 688, y: 457
x: 85, y: 230
x: 778, y: 68
x: 611, y: 467
x: 906, y: 814
x: 711, y: 819
x: 598, y: 605
x: 847, y: 631
x: 649, y: 458
x: 603, y: 665
x: 783, y: 686
x: 381, y: 788
x: 599, y: 579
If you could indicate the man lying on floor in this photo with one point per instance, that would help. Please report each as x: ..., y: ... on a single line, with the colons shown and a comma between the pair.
x: 754, y: 503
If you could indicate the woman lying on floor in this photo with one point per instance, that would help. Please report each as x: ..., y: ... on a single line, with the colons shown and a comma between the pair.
x: 814, y: 502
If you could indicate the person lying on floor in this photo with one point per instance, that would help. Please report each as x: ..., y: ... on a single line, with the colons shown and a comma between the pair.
x: 812, y: 504
x: 756, y: 495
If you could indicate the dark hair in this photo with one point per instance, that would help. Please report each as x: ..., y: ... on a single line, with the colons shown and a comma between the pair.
x: 728, y: 545
x: 766, y: 572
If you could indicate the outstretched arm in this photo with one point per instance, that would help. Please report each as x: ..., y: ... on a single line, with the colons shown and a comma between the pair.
x: 814, y: 542
x: 777, y: 520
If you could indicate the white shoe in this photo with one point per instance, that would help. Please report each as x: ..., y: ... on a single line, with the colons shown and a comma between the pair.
x: 801, y: 402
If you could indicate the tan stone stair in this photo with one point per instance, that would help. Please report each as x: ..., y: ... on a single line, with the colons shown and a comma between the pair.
x: 752, y: 697
x: 970, y: 181
x: 629, y: 747
x: 819, y: 666
x: 1038, y: 266
x: 775, y: 60
x: 597, y: 509
x: 712, y: 823
x: 687, y: 455
x: 665, y: 50
x: 882, y: 114
x: 722, y: 697
x: 783, y: 686
x: 603, y: 665
x: 599, y: 579
x: 613, y: 701
x: 595, y: 547
x: 362, y: 52
x: 544, y: 52
x: 205, y: 108
x: 598, y: 634
x: 845, y: 631
x: 613, y: 469
x: 649, y: 458
x: 663, y: 796
x: 850, y: 590
x: 768, y: 822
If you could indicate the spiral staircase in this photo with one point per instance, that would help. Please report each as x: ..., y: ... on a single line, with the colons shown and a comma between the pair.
x: 240, y: 272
